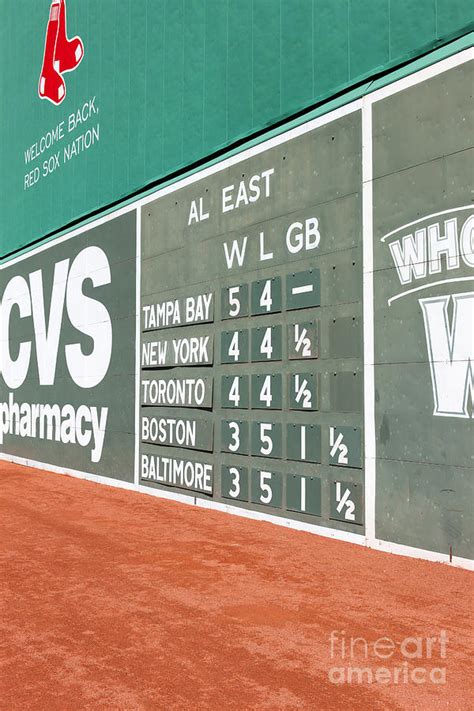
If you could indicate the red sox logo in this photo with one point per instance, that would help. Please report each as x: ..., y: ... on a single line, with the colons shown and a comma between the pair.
x: 60, y: 55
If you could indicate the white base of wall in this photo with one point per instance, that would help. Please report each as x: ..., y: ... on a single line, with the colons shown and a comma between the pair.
x: 374, y: 543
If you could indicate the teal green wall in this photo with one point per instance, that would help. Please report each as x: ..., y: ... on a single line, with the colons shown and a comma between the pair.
x: 176, y: 80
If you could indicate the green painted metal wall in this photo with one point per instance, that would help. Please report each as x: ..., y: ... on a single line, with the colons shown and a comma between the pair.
x: 176, y: 80
x: 288, y: 332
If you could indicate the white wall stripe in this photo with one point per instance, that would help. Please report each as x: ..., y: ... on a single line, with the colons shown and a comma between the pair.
x: 137, y: 343
x: 368, y: 322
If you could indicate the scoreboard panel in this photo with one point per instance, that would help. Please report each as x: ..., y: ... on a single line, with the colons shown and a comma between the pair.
x: 251, y: 385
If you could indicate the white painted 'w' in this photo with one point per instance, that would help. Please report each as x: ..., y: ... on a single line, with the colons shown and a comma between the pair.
x: 451, y: 353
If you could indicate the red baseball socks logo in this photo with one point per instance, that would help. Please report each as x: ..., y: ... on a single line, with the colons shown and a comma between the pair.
x: 60, y: 55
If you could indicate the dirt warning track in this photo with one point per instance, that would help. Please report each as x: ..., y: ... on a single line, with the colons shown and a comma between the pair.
x: 117, y: 600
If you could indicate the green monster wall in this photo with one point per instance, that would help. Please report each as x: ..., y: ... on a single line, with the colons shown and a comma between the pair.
x: 238, y: 254
x: 166, y: 83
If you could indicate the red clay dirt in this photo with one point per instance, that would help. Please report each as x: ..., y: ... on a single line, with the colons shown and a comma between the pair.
x: 116, y: 600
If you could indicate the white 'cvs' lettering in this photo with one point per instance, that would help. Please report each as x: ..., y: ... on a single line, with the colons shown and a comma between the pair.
x: 86, y: 314
x: 90, y: 317
x: 14, y: 369
x: 47, y: 338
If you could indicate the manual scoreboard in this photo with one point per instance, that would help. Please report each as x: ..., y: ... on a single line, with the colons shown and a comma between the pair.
x: 251, y: 362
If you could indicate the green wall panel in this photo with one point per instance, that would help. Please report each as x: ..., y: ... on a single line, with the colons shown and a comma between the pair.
x: 215, y: 73
x: 154, y: 91
x: 173, y: 92
x: 266, y: 84
x: 450, y: 15
x: 194, y: 56
x: 296, y: 66
x: 331, y: 42
x: 176, y: 80
x: 422, y: 26
x: 240, y: 69
x: 424, y: 380
x: 67, y: 396
x: 366, y: 55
